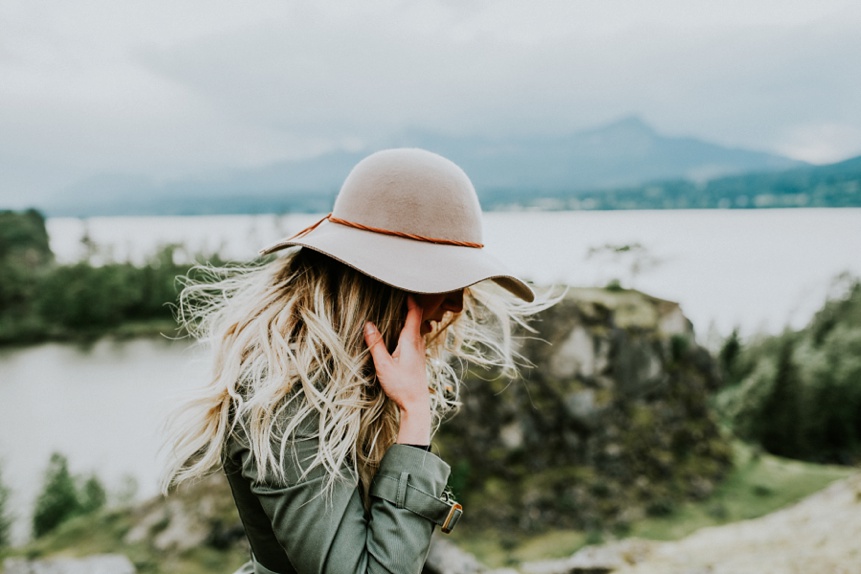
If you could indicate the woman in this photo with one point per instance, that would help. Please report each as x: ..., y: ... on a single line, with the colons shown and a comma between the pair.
x: 335, y: 362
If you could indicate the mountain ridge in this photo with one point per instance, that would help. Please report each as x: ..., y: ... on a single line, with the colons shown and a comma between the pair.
x: 622, y: 153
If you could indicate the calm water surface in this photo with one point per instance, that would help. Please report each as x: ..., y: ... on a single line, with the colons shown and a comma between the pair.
x: 758, y: 270
x: 101, y: 406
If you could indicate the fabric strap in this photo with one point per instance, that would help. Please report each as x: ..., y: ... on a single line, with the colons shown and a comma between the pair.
x: 364, y: 227
x: 397, y: 490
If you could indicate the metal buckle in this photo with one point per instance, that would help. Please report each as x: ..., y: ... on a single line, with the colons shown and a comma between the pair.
x: 447, y: 526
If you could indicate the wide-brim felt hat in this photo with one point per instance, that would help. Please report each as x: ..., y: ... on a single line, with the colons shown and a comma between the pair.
x: 411, y: 219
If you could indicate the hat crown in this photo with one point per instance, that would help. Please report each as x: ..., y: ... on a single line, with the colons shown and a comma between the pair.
x: 411, y: 191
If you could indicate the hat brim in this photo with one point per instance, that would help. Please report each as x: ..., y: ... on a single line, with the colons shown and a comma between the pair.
x: 408, y: 264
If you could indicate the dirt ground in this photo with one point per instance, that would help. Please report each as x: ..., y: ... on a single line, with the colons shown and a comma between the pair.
x: 819, y: 535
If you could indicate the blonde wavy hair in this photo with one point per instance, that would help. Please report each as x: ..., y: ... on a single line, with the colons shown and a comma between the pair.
x: 288, y: 334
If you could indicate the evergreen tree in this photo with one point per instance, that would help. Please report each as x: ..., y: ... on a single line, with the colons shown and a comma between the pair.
x: 93, y: 495
x: 780, y: 416
x: 799, y: 394
x: 58, y: 500
x: 728, y: 358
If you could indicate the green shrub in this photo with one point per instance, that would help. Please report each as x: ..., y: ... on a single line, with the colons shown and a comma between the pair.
x: 58, y: 500
x: 799, y: 394
x: 63, y: 498
x: 92, y: 495
x: 42, y: 300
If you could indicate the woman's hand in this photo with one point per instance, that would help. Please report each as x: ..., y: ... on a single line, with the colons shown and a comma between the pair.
x: 403, y: 376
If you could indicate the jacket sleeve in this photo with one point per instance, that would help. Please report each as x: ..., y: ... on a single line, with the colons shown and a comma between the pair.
x: 334, y: 534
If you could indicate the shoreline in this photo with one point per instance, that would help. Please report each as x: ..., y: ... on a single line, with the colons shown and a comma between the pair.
x: 150, y: 329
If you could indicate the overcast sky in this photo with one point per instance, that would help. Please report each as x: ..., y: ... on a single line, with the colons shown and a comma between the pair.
x: 167, y: 88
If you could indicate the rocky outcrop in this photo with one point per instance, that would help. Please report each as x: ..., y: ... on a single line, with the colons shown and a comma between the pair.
x: 202, y: 514
x: 610, y: 423
x: 98, y: 564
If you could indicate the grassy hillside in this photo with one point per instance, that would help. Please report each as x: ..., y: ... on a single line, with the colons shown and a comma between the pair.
x: 759, y: 484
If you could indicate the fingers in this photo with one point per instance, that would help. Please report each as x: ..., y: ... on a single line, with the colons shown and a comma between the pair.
x: 374, y: 341
x: 413, y: 322
x: 410, y: 336
x: 402, y: 375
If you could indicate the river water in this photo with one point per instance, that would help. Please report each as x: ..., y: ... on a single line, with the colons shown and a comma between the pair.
x: 759, y: 270
x: 102, y: 405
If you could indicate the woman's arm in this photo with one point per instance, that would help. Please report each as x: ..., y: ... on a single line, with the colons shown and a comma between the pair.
x: 403, y: 375
x: 334, y: 534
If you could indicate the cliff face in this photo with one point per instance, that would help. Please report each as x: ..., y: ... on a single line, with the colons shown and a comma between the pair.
x: 610, y: 423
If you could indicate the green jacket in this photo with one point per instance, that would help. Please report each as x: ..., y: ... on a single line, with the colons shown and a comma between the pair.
x: 293, y: 528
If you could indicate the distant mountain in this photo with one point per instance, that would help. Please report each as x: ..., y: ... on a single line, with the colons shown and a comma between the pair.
x: 627, y: 152
x: 304, y: 186
x: 834, y: 185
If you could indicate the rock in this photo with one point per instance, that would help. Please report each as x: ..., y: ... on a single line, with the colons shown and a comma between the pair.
x: 581, y: 406
x: 609, y: 557
x: 202, y: 514
x: 674, y: 322
x: 97, y: 564
x: 512, y: 435
x: 575, y: 354
x: 170, y: 527
x: 612, y: 422
x: 602, y: 559
x: 446, y: 558
x: 184, y: 531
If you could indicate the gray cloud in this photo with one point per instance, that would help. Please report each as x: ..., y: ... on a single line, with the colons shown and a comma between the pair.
x: 167, y: 88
